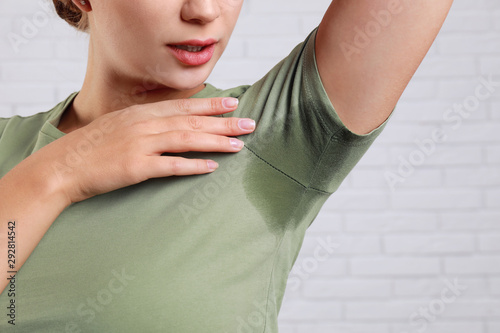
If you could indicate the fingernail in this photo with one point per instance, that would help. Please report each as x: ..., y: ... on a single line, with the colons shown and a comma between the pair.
x: 246, y: 124
x: 212, y: 165
x: 230, y: 102
x: 236, y: 143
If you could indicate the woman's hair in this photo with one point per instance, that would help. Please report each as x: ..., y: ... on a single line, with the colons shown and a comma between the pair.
x: 69, y: 12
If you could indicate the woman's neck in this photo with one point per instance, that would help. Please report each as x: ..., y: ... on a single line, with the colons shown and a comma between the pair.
x: 103, y: 91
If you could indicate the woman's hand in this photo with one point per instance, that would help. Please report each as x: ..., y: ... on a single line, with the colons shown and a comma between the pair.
x: 124, y: 147
x: 118, y: 149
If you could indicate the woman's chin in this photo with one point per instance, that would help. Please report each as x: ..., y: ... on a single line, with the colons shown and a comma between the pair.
x: 189, y: 85
x: 163, y: 91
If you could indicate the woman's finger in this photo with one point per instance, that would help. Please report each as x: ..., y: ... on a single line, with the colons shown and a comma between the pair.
x: 165, y: 166
x: 184, y: 141
x: 192, y: 106
x: 213, y: 125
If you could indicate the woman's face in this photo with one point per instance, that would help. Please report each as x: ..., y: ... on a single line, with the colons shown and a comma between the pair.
x: 169, y: 43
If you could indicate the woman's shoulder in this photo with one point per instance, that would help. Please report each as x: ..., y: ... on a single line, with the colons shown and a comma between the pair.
x: 212, y: 91
x: 20, y: 118
x: 18, y: 124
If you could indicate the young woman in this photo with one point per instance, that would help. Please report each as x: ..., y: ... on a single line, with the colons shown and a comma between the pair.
x: 112, y: 194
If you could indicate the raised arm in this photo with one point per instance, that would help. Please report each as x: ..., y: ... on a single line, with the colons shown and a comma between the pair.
x: 368, y: 50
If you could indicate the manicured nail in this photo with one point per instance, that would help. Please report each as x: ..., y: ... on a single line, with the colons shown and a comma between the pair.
x: 246, y: 124
x: 212, y: 165
x: 236, y: 143
x: 230, y: 102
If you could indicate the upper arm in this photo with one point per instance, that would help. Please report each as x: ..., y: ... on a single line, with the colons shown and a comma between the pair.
x: 368, y: 50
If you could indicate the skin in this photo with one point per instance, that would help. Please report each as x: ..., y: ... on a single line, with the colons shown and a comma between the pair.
x: 119, y: 89
x: 120, y: 74
x: 365, y: 86
x: 145, y: 110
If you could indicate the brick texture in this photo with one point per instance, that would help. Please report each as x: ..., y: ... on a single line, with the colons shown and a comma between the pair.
x: 422, y: 255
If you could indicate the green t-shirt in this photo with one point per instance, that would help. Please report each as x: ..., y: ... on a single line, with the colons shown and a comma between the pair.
x: 202, y: 253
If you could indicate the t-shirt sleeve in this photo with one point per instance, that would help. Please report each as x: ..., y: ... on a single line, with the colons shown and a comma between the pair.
x: 298, y: 131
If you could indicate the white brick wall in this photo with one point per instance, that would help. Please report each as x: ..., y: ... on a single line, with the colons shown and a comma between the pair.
x: 399, y: 248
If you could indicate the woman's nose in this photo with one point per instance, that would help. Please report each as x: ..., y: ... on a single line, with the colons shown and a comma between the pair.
x: 201, y: 11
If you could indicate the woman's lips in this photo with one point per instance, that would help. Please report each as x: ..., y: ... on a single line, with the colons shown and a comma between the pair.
x: 193, y: 52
